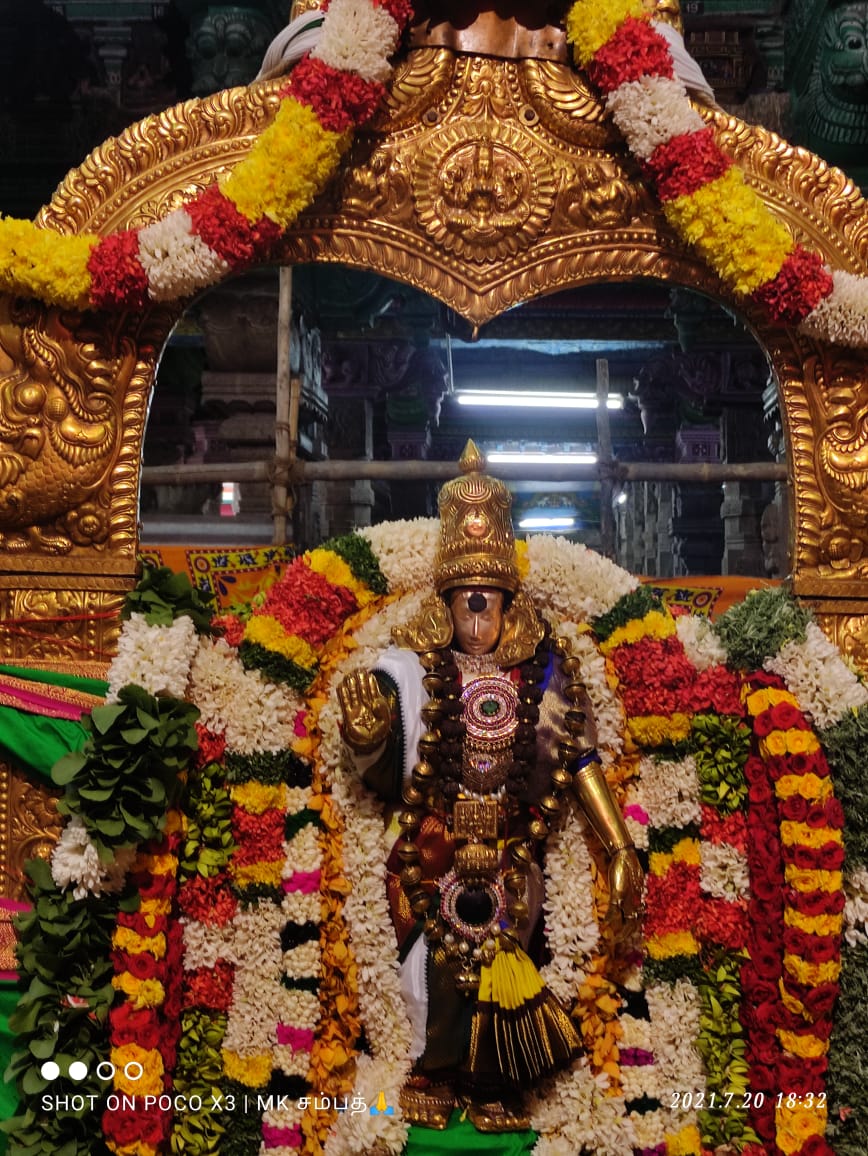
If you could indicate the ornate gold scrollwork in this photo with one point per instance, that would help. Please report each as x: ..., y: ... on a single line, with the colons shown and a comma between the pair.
x: 484, y: 191
x: 29, y: 827
x: 849, y: 632
x: 65, y: 383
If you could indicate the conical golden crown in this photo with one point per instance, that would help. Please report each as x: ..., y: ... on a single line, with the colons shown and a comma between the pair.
x: 477, y: 544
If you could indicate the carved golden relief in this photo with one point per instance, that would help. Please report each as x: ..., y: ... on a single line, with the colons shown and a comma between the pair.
x: 484, y: 193
x: 29, y: 826
x: 825, y: 396
x: 849, y: 632
x: 50, y: 625
x: 67, y: 382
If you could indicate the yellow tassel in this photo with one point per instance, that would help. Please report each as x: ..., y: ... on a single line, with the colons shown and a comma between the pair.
x: 514, y: 980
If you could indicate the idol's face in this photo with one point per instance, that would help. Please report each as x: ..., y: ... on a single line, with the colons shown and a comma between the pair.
x: 477, y: 619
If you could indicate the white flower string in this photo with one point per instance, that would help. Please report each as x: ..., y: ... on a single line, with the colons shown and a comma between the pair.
x: 817, y: 675
x: 699, y: 639
x: 567, y: 580
x: 156, y: 658
x: 608, y: 711
x: 856, y: 907
x: 75, y: 862
x: 253, y: 714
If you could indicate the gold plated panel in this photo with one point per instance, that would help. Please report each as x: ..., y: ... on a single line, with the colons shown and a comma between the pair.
x: 73, y: 399
x: 29, y: 826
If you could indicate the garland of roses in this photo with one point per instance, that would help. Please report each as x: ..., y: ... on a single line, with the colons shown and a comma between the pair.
x: 336, y: 88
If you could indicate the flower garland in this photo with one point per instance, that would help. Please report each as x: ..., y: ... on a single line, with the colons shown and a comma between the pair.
x: 704, y: 196
x: 144, y: 1027
x: 280, y: 860
x: 806, y: 956
x: 336, y: 88
x: 111, y: 932
x: 235, y: 221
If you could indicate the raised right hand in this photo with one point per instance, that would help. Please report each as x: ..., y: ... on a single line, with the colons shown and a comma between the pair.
x: 367, y: 717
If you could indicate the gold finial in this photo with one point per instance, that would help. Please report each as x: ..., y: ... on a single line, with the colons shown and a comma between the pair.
x: 472, y: 458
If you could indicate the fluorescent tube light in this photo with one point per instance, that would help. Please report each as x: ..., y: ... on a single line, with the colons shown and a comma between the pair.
x: 555, y: 522
x: 535, y: 399
x: 537, y: 458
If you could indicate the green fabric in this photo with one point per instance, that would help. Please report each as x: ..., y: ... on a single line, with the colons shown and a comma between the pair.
x: 36, y: 742
x: 461, y: 1137
x: 33, y: 741
x: 8, y: 1096
x: 53, y: 678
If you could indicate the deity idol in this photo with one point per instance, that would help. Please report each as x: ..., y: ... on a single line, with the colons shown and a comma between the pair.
x: 473, y: 728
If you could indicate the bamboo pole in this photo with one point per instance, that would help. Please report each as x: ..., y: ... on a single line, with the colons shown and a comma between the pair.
x: 304, y: 472
x: 284, y: 449
x: 604, y: 461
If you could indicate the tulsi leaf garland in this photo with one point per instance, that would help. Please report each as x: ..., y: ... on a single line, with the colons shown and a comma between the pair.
x: 336, y: 89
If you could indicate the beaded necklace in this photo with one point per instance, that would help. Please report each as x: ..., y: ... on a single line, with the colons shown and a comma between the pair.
x: 475, y: 758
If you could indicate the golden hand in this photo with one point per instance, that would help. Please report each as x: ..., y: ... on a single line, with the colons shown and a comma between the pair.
x: 626, y: 880
x: 367, y: 718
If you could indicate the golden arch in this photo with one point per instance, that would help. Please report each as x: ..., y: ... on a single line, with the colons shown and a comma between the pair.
x: 484, y: 182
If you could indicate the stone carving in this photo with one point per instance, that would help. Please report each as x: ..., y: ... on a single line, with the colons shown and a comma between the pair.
x: 827, y: 66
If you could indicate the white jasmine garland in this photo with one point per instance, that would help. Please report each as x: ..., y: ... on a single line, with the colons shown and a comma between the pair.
x: 257, y: 991
x: 356, y: 1133
x: 637, y: 1080
x: 856, y: 907
x: 75, y: 862
x: 572, y: 932
x: 572, y: 582
x: 405, y: 551
x: 254, y: 714
x: 156, y: 658
x: 302, y: 851
x: 699, y: 638
x: 298, y: 907
x: 650, y: 111
x: 817, y: 675
x: 302, y: 962
x: 572, y: 1113
x: 291, y: 1063
x: 675, y: 1014
x: 842, y: 317
x: 723, y: 871
x: 668, y: 792
x: 360, y: 37
x: 177, y: 260
x: 651, y: 1128
x: 205, y: 943
x: 297, y: 1007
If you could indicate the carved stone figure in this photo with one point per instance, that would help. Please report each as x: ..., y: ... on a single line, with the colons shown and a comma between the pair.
x: 827, y: 66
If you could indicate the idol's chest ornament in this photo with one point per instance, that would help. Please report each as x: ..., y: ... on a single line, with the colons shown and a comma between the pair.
x: 476, y: 758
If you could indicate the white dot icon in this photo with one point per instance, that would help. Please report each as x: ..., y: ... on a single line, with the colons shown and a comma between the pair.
x: 50, y: 1070
x: 77, y: 1070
